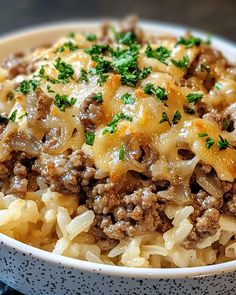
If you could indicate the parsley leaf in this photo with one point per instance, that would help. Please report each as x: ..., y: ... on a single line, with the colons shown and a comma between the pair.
x: 202, y: 134
x: 71, y: 35
x: 13, y: 116
x: 189, y: 42
x: 182, y: 63
x: 26, y: 85
x: 222, y: 143
x: 161, y: 53
x: 23, y: 115
x: 70, y: 45
x: 91, y: 37
x: 159, y: 92
x: 218, y: 86
x: 126, y: 38
x: 194, y: 97
x: 189, y: 111
x: 62, y: 101
x: 89, y: 138
x: 102, y: 67
x: 121, y: 152
x: 96, y: 49
x: 113, y: 124
x: 49, y: 89
x: 209, y: 142
x: 177, y: 117
x: 226, y: 124
x: 65, y: 70
x: 164, y: 118
x: 97, y: 97
x: 127, y: 98
x: 83, y: 75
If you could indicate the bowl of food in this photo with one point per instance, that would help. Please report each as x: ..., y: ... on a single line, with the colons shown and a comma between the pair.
x: 118, y: 160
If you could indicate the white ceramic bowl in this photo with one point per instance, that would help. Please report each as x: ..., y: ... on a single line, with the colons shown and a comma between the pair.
x: 34, y: 271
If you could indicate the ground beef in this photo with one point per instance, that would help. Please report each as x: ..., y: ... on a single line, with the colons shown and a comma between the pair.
x: 201, y: 108
x: 67, y: 172
x: 127, y: 215
x: 230, y: 200
x: 19, y: 182
x: 38, y: 106
x: 90, y: 113
x: 16, y: 65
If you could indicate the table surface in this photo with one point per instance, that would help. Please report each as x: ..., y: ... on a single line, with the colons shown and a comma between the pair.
x: 214, y: 16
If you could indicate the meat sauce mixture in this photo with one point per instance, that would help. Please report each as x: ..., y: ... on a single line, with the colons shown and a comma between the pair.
x: 131, y: 205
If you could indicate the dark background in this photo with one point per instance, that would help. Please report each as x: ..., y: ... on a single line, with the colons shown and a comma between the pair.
x: 214, y: 16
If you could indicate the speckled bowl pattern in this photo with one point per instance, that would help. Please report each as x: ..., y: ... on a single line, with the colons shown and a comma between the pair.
x: 34, y: 271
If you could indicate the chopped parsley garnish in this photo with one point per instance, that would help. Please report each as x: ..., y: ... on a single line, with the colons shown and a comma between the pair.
x: 43, y: 76
x: 111, y: 127
x: 3, y: 119
x: 189, y: 42
x: 121, y: 152
x: 159, y: 92
x: 12, y: 117
x: 83, y: 75
x: 89, y: 138
x: 101, y: 69
x: 49, y: 89
x: 161, y: 53
x: 71, y: 35
x: 96, y: 49
x: 222, y: 143
x: 68, y: 45
x: 125, y: 63
x: 189, y: 111
x: 91, y: 37
x: 164, y: 118
x: 62, y: 101
x: 97, y: 97
x: 126, y: 38
x: 194, y: 97
x: 26, y: 86
x: 202, y: 134
x: 127, y: 98
x: 182, y: 63
x: 177, y: 117
x: 209, y: 142
x: 218, y: 86
x: 65, y: 70
x: 23, y: 115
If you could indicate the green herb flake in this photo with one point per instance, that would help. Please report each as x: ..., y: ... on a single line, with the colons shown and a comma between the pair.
x: 62, y: 101
x: 89, y: 138
x: 10, y: 95
x: 23, y: 115
x: 202, y: 134
x: 113, y: 124
x: 222, y: 143
x: 91, y: 37
x: 189, y: 111
x: 182, y: 63
x: 71, y: 35
x: 164, y: 118
x: 68, y: 45
x: 194, y: 97
x: 189, y: 42
x: 126, y: 38
x: 12, y: 117
x: 159, y: 92
x: 209, y: 142
x: 83, y: 75
x: 49, y: 89
x: 127, y: 98
x: 98, y: 97
x: 161, y: 53
x: 177, y: 117
x: 121, y: 152
x: 26, y: 86
x: 218, y: 86
x: 65, y: 70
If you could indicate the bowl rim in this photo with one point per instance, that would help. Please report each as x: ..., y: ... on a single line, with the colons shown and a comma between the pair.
x: 118, y: 271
